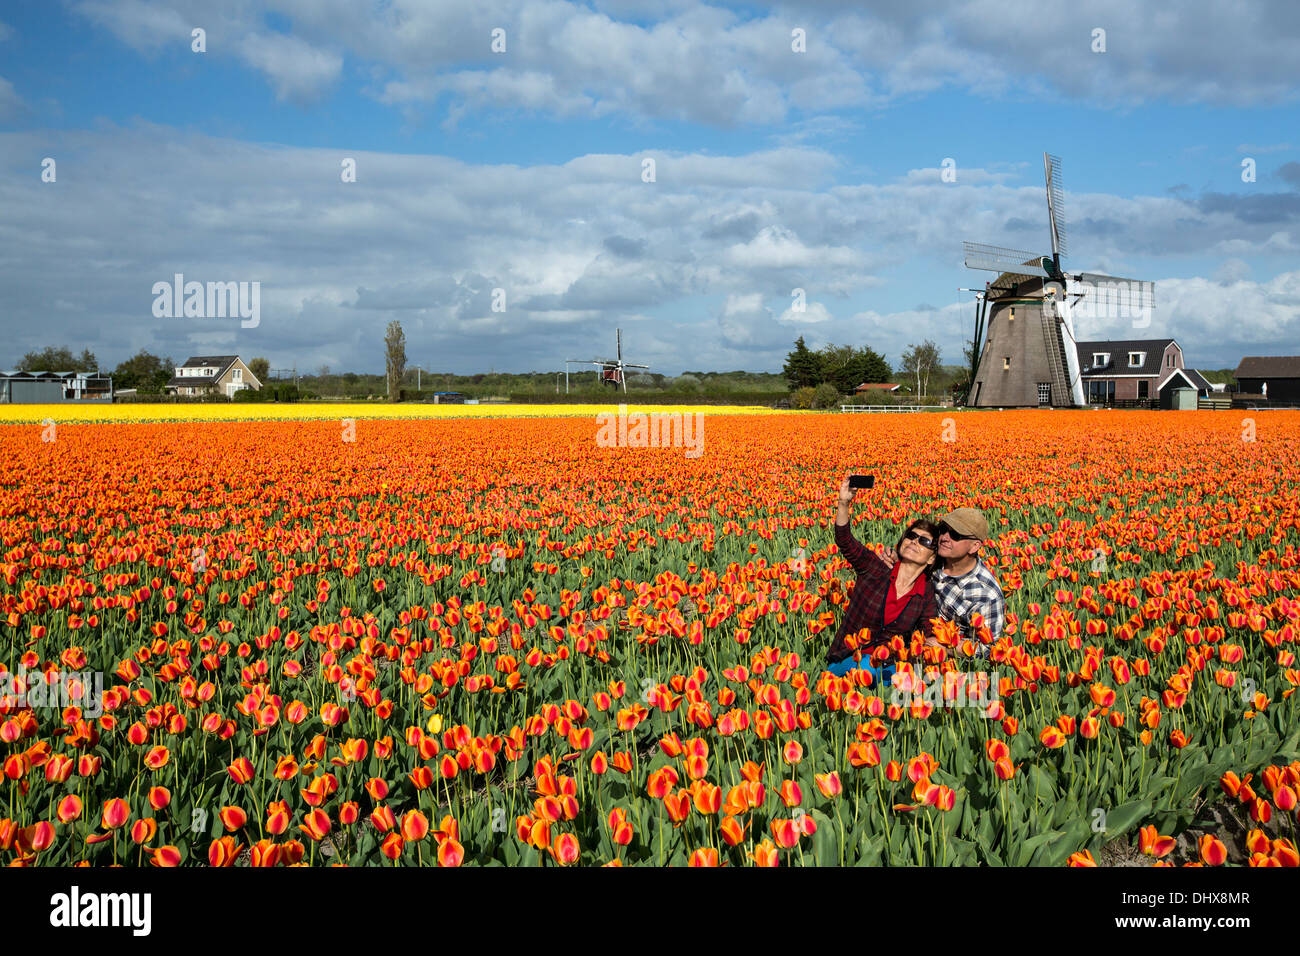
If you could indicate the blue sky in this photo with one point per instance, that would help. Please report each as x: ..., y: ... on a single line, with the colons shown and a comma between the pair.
x: 521, y: 171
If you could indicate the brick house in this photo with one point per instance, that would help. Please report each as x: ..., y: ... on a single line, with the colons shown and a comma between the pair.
x: 1134, y: 370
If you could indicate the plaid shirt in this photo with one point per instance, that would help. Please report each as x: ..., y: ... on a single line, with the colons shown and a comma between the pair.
x: 976, y: 590
x: 867, y: 602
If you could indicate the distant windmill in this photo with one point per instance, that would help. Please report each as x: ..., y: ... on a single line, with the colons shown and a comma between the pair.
x: 611, y: 370
x: 1034, y: 361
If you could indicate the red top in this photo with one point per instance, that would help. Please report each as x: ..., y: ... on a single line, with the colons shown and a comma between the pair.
x: 893, y: 603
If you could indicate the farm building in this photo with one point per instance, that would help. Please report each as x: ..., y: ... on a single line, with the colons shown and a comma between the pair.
x: 54, y: 388
x: 1274, y: 378
x: 212, y: 374
x: 877, y: 387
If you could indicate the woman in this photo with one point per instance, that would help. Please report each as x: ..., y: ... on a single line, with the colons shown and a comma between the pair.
x: 887, y: 601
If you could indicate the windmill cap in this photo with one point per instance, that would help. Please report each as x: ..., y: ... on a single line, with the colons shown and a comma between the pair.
x: 967, y: 521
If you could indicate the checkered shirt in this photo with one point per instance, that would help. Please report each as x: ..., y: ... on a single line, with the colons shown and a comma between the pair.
x: 976, y: 590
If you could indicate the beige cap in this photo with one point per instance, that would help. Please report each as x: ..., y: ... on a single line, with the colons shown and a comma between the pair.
x: 967, y: 521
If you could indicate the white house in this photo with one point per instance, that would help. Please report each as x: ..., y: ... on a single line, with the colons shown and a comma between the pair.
x: 205, y: 374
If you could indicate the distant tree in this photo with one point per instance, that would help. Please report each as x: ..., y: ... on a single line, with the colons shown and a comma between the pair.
x: 395, y: 354
x: 825, y: 395
x: 802, y: 367
x: 920, y: 361
x: 803, y: 397
x: 847, y: 367
x: 144, y: 372
x: 261, y: 369
x: 58, y: 359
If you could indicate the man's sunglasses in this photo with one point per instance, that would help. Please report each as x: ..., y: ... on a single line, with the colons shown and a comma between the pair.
x: 944, y: 529
x: 923, y: 540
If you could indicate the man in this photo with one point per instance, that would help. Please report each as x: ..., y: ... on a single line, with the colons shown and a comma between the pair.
x: 964, y: 583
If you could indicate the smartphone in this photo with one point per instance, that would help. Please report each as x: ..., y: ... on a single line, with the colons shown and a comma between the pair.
x: 862, y: 481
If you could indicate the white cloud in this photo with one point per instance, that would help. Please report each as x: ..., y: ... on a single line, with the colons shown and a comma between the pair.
x: 812, y: 314
x: 1232, y: 270
x: 11, y: 104
x: 700, y: 268
x: 1275, y: 148
x: 145, y: 24
x: 776, y: 247
x: 711, y: 65
x: 299, y: 72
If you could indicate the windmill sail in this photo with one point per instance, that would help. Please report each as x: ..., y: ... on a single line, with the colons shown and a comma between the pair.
x: 1055, y: 204
x: 980, y: 255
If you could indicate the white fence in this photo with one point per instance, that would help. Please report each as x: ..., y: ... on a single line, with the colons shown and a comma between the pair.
x: 894, y: 408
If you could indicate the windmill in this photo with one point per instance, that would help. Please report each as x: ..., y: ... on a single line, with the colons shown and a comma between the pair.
x: 1034, y: 361
x: 611, y: 370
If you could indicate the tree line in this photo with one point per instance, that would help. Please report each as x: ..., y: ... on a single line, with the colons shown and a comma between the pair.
x: 842, y: 368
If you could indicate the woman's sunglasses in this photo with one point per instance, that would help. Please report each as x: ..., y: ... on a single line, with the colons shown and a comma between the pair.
x: 923, y: 540
x: 944, y: 529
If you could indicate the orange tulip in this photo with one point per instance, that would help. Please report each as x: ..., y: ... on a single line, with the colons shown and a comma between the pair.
x: 1261, y: 811
x: 1152, y: 844
x: 37, y: 837
x: 143, y: 830
x: 392, y: 845
x: 69, y: 808
x: 565, y: 850
x: 233, y: 818
x: 733, y: 834
x: 1284, y: 851
x: 116, y: 813
x: 316, y: 824
x: 828, y: 783
x: 451, y: 853
x: 1285, y: 798
x: 766, y: 854
x: 223, y: 851
x: 415, y: 826
x: 263, y: 853
x: 1257, y: 841
x: 167, y: 856
x: 785, y: 833
x: 1212, y: 851
x: 1052, y: 737
x: 278, y: 817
